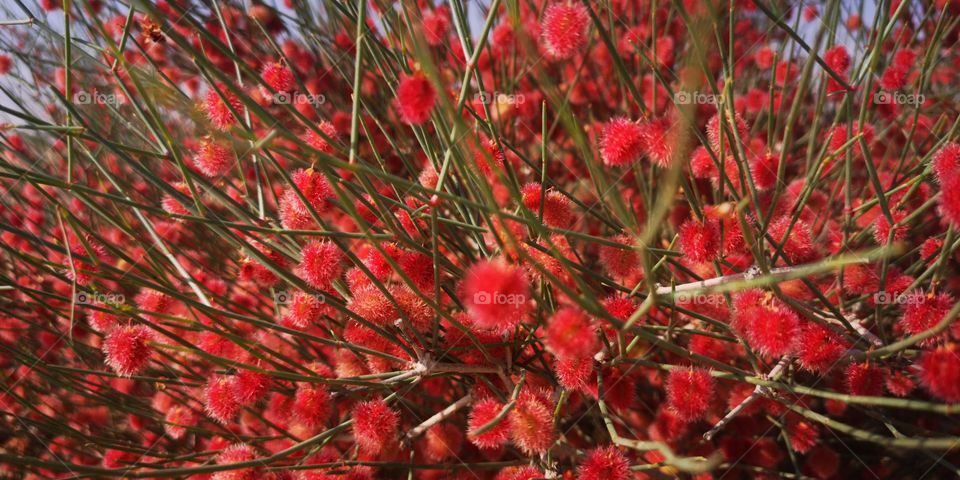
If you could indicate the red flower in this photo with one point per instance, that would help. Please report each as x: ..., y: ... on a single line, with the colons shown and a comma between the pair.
x: 236, y: 453
x: 621, y: 142
x: 939, y: 372
x: 574, y: 373
x: 565, y: 29
x: 556, y: 207
x: 946, y: 162
x: 482, y: 413
x: 319, y: 143
x: 494, y: 293
x: 415, y: 98
x: 250, y: 386
x: 819, y: 349
x: 689, y: 393
x: 531, y: 424
x: 769, y: 326
x: 213, y: 160
x: 278, y: 77
x: 312, y: 405
x: 950, y: 200
x: 221, y: 403
x: 375, y: 426
x: 865, y: 379
x: 218, y: 111
x: 436, y: 26
x: 320, y: 265
x: 797, y: 242
x: 604, y: 463
x: 658, y: 141
x: 620, y: 261
x: 126, y: 349
x: 923, y: 312
x: 569, y: 334
x: 700, y: 241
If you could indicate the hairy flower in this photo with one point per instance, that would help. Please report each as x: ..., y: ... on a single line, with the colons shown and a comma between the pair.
x: 375, y: 426
x: 483, y: 412
x: 689, y: 393
x: 604, y: 463
x: 769, y: 326
x: 126, y: 349
x: 320, y: 264
x: 700, y: 241
x: 415, y: 98
x: 494, y: 293
x: 569, y: 334
x: 621, y: 142
x: 531, y: 424
x: 564, y: 28
x: 213, y: 159
x: 939, y: 372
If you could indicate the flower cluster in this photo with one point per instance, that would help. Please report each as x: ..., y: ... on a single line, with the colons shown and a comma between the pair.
x: 498, y: 240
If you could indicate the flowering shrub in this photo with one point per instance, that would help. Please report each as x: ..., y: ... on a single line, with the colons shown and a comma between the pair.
x: 499, y: 239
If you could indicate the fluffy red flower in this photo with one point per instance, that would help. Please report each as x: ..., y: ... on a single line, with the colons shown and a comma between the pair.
x: 803, y: 434
x: 620, y: 261
x: 657, y: 141
x: 714, y: 132
x: 236, y: 453
x: 837, y: 59
x: 899, y: 384
x: 415, y: 98
x: 946, y: 162
x: 126, y: 349
x: 939, y: 372
x: 797, y: 242
x: 574, y: 373
x: 865, y: 379
x: 604, y: 463
x: 531, y: 424
x: 700, y: 241
x: 482, y: 413
x: 436, y: 26
x: 556, y: 207
x: 881, y: 232
x: 320, y: 264
x: 569, y: 334
x: 494, y: 293
x: 621, y: 142
x: 950, y: 200
x: 213, y: 159
x: 319, y: 143
x: 564, y: 28
x: 769, y: 326
x: 176, y: 421
x: 375, y: 426
x: 249, y: 386
x: 764, y: 170
x: 220, y: 402
x: 312, y: 405
x: 689, y: 393
x: 819, y: 349
x: 372, y: 305
x: 219, y: 112
x: 278, y: 77
x: 923, y: 312
x: 822, y: 462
